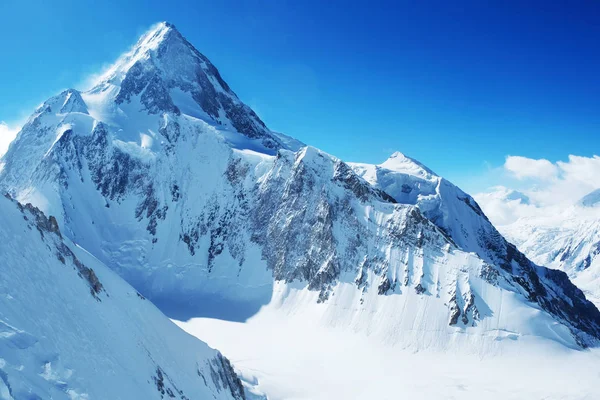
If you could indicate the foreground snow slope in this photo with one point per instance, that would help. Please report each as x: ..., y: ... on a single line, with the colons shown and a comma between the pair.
x: 297, y: 354
x: 161, y: 173
x: 71, y: 329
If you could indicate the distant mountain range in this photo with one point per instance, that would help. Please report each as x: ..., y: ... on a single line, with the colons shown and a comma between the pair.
x: 566, y: 238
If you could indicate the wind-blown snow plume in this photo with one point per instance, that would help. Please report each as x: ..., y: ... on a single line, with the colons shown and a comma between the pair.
x: 7, y: 135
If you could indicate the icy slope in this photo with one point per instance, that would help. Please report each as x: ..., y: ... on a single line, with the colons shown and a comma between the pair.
x: 71, y: 329
x: 204, y: 214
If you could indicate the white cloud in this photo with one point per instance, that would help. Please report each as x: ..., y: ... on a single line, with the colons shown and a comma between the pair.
x: 550, y: 187
x: 563, y: 182
x: 504, y: 206
x: 523, y: 167
x: 576, y: 177
x: 585, y: 170
x: 7, y: 135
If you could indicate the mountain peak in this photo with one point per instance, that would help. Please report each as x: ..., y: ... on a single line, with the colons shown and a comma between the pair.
x: 165, y: 73
x: 399, y: 162
x: 156, y: 35
x: 150, y: 46
x: 65, y: 102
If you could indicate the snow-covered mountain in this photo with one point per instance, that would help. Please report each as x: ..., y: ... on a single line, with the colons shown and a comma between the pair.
x: 164, y: 175
x: 458, y: 215
x: 72, y: 329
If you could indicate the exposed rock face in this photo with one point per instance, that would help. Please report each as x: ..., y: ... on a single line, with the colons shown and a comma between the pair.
x: 223, y: 376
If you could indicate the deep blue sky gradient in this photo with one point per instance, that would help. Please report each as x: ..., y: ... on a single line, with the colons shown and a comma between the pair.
x: 457, y: 85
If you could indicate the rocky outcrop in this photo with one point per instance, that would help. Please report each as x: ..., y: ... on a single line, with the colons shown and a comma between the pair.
x: 172, y: 63
x: 224, y: 377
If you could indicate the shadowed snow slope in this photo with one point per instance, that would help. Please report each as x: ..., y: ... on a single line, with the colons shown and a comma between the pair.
x: 165, y: 176
x: 72, y: 329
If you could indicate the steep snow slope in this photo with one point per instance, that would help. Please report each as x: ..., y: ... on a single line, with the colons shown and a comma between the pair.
x: 71, y: 329
x: 165, y: 176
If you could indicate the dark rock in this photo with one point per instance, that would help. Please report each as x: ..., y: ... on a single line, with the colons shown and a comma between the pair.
x: 454, y: 311
x: 50, y: 232
x: 419, y: 289
x: 224, y: 377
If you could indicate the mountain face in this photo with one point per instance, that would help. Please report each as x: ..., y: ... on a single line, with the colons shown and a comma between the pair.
x: 460, y: 217
x: 164, y: 175
x: 71, y: 329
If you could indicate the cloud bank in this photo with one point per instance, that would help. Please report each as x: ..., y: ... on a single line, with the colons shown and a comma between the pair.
x: 539, y: 187
x: 523, y: 167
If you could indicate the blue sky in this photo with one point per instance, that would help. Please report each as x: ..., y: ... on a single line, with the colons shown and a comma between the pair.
x: 457, y: 85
